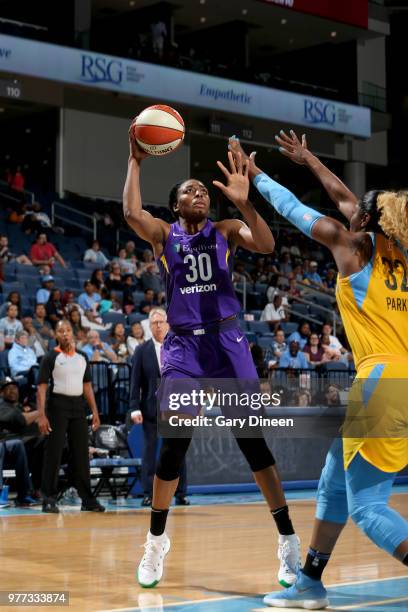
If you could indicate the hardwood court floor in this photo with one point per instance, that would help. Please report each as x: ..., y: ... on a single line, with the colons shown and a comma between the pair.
x: 217, y: 551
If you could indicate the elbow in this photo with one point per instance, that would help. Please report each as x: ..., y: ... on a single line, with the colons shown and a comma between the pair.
x: 267, y: 247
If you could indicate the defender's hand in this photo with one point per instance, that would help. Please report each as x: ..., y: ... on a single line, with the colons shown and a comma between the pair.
x: 291, y: 147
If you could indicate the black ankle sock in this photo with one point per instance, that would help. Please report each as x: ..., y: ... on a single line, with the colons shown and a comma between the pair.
x: 316, y: 561
x: 158, y: 520
x: 282, y: 520
x: 405, y: 559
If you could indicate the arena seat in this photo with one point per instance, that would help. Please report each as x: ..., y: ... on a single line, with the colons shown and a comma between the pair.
x: 114, y: 317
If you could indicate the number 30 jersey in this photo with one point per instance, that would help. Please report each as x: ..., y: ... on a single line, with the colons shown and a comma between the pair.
x: 373, y: 303
x: 197, y: 272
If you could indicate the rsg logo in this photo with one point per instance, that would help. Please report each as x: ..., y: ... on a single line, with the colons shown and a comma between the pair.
x: 317, y: 111
x: 101, y: 70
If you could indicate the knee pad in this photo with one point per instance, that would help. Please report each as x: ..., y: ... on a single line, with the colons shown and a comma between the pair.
x: 256, y: 452
x: 172, y: 454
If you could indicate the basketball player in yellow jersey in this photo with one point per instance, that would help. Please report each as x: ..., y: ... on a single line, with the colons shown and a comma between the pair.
x: 372, y: 294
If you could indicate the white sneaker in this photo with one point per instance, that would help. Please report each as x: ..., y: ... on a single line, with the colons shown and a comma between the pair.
x: 150, y: 569
x: 289, y: 557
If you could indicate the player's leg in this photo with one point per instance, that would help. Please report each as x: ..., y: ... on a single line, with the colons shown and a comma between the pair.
x: 368, y: 492
x: 157, y: 545
x: 331, y: 516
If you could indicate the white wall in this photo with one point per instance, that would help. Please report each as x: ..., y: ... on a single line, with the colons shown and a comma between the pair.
x: 94, y: 159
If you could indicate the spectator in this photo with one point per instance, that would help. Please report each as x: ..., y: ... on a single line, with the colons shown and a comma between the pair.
x: 6, y: 256
x: 273, y: 288
x: 10, y: 325
x: 159, y: 34
x: 278, y: 347
x: 43, y: 294
x: 302, y: 335
x: 293, y: 291
x: 314, y: 351
x: 143, y: 405
x: 54, y: 307
x: 128, y: 301
x: 98, y: 279
x: 89, y: 299
x: 335, y: 343
x: 312, y: 277
x: 240, y: 274
x: 332, y: 396
x: 41, y: 325
x: 68, y: 300
x: 13, y: 298
x: 148, y: 302
x: 302, y: 399
x: 96, y: 350
x: 17, y: 180
x: 293, y: 358
x: 35, y: 341
x: 80, y: 332
x: 147, y: 258
x: 135, y: 338
x: 330, y: 280
x: 36, y: 220
x: 43, y: 252
x: 114, y: 280
x: 130, y: 248
x: 106, y: 303
x: 150, y: 278
x: 94, y: 255
x: 285, y: 266
x: 12, y: 452
x: 331, y: 354
x: 21, y: 357
x: 274, y: 313
x: 117, y: 340
x: 127, y: 266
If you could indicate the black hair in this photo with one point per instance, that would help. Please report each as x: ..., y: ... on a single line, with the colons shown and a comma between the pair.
x: 173, y: 198
x: 368, y: 205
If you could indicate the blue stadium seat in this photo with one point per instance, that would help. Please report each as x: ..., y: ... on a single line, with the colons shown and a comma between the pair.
x: 136, y: 317
x: 104, y: 335
x: 264, y: 342
x: 259, y: 327
x: 114, y: 317
x: 138, y: 296
x: 289, y: 327
x: 243, y: 325
x: 331, y: 366
x: 302, y: 309
x: 256, y: 313
x: 251, y: 337
x: 26, y: 270
x: 4, y: 366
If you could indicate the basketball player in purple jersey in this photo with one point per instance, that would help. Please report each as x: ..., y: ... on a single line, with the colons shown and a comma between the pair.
x: 205, y: 340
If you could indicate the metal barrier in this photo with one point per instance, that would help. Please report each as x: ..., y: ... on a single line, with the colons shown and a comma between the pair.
x: 85, y: 222
x: 111, y: 385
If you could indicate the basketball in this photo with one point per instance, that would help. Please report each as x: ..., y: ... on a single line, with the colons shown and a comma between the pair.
x: 159, y: 129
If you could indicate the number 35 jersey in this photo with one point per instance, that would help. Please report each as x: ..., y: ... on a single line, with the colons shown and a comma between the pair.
x: 373, y: 303
x: 197, y: 272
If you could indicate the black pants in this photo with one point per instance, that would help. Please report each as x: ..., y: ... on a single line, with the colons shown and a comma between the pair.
x: 13, y: 457
x: 149, y: 462
x: 67, y: 416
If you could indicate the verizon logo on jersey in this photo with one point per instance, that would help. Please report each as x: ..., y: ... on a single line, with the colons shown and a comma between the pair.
x: 198, y: 289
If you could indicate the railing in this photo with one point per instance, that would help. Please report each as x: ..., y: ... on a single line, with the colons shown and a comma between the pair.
x: 58, y: 212
x: 111, y: 385
x: 16, y: 196
x: 23, y: 24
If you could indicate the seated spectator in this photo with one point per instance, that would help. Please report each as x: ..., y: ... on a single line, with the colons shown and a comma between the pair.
x: 128, y: 301
x: 239, y: 274
x: 274, y: 313
x: 278, y: 347
x: 302, y: 399
x: 302, y: 335
x: 6, y: 255
x: 312, y: 277
x: 293, y: 358
x: 12, y: 452
x: 314, y: 351
x: 80, y: 332
x: 330, y: 280
x: 135, y: 338
x: 130, y: 249
x: 17, y: 180
x: 98, y: 279
x: 332, y: 396
x: 148, y: 302
x: 127, y: 266
x: 327, y: 330
x: 45, y: 253
x: 114, y: 280
x: 285, y: 265
x: 54, y: 307
x: 150, y: 279
x: 272, y: 288
x: 21, y: 357
x: 89, y: 299
x: 35, y: 341
x: 41, y: 325
x: 147, y: 258
x: 331, y: 354
x: 293, y: 292
x: 96, y: 350
x: 13, y: 298
x: 37, y: 220
x: 43, y: 294
x: 117, y: 341
x: 95, y: 255
x: 10, y: 325
x: 68, y: 300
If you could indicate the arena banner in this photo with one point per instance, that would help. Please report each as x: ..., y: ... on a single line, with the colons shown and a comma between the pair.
x: 163, y: 84
x: 352, y: 12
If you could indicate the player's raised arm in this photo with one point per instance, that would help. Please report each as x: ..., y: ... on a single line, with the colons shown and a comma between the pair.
x: 254, y: 235
x: 298, y: 152
x: 142, y: 222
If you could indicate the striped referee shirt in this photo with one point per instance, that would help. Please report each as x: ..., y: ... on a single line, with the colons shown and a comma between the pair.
x: 65, y: 372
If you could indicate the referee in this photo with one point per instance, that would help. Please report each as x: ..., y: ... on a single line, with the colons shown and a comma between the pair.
x: 66, y: 374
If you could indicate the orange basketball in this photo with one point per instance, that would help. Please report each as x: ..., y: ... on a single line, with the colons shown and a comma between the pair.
x: 159, y: 129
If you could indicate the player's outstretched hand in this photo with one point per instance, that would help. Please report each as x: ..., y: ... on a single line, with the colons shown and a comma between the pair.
x: 291, y: 147
x: 235, y: 147
x: 135, y: 151
x: 237, y: 187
